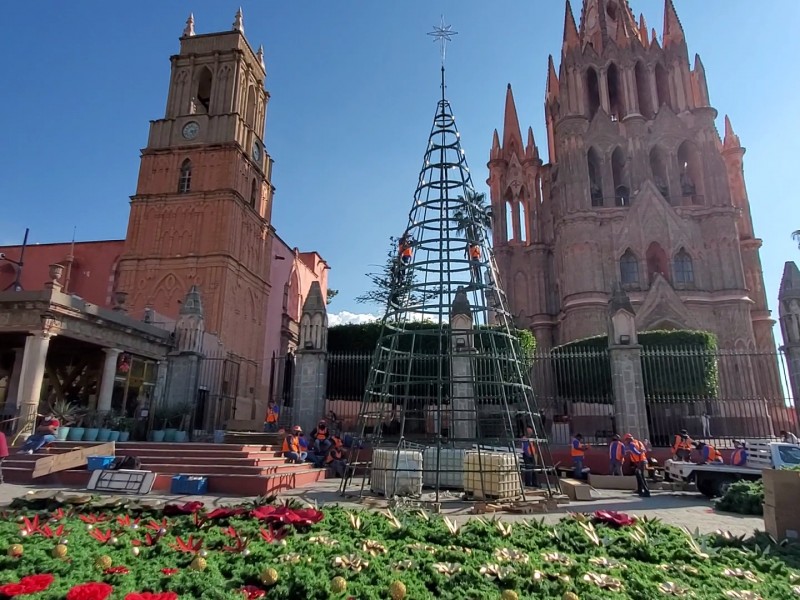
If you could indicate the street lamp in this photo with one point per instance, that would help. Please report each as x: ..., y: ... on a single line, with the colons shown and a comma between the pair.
x: 17, y: 285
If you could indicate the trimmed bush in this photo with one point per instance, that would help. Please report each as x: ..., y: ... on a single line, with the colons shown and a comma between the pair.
x: 744, y: 498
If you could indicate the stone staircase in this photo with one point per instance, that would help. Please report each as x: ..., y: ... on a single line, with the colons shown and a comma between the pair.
x: 231, y: 469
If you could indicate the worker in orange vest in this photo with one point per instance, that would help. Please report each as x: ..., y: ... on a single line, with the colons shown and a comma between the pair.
x: 682, y: 446
x: 739, y: 456
x: 616, y: 455
x: 577, y: 451
x: 529, y: 458
x: 638, y: 456
x: 404, y: 249
x: 335, y: 458
x: 708, y: 454
x: 272, y: 416
x: 474, y: 253
x: 292, y: 448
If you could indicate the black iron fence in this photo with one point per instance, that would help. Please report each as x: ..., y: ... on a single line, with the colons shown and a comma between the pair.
x: 718, y: 395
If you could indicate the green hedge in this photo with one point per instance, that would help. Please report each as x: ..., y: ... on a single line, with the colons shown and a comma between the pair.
x: 676, y: 365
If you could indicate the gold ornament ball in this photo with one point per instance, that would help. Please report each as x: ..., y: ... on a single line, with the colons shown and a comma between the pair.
x: 397, y: 590
x: 570, y: 596
x: 509, y: 595
x: 199, y: 563
x: 104, y: 562
x: 338, y: 584
x: 15, y: 550
x: 60, y: 551
x: 269, y: 576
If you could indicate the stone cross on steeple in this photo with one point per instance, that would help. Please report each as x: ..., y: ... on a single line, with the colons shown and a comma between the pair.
x: 238, y: 22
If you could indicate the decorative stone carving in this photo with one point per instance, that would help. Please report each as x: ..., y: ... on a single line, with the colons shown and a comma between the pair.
x: 55, y: 272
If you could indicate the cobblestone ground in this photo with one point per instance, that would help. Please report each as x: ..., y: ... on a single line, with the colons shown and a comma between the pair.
x: 682, y: 509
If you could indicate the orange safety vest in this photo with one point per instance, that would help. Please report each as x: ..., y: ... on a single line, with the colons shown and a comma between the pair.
x: 322, y: 433
x: 475, y: 252
x: 736, y: 457
x: 291, y: 444
x: 334, y: 454
x: 528, y: 448
x: 637, y: 458
x: 616, y: 451
x: 681, y: 444
x: 272, y: 415
x: 580, y: 450
x: 713, y: 454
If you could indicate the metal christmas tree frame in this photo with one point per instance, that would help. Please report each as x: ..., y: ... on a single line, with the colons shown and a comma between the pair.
x: 448, y: 376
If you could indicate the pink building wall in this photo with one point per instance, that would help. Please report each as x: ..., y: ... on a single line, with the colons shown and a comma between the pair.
x: 291, y: 277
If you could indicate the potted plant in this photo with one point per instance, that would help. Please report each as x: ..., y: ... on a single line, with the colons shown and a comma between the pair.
x: 104, y: 423
x: 67, y: 414
x: 114, y: 423
x: 160, y: 419
x: 92, y: 428
x: 77, y: 431
x: 125, y: 427
x: 185, y: 412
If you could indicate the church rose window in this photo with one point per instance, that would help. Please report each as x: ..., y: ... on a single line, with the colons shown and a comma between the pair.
x: 629, y: 269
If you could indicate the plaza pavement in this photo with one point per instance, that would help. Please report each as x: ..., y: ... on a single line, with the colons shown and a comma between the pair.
x: 677, y: 508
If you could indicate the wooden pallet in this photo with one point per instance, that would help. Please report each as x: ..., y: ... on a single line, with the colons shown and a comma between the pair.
x: 520, y: 507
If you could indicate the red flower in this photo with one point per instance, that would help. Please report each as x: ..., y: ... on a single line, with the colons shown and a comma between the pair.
x: 92, y: 519
x: 173, y: 510
x: 117, y: 571
x: 13, y: 589
x: 308, y: 516
x: 224, y: 513
x: 302, y: 517
x: 152, y: 596
x: 612, y: 517
x: 90, y: 591
x: 252, y: 592
x: 169, y: 572
x: 37, y: 583
x: 273, y: 535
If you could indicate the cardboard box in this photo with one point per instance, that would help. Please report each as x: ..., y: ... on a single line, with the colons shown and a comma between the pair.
x: 782, y: 524
x: 576, y: 490
x: 781, y: 488
x: 612, y: 482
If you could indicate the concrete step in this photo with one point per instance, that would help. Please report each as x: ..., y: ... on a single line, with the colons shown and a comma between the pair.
x: 191, y: 469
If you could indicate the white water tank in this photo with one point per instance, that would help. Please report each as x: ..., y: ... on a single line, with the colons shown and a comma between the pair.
x: 450, y: 466
x: 396, y: 472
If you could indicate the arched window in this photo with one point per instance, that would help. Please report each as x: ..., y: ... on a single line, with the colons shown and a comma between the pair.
x: 615, y: 100
x: 691, y: 173
x: 250, y: 117
x: 185, y: 179
x: 204, y: 88
x: 595, y: 177
x: 657, y: 263
x: 622, y: 193
x: 662, y: 86
x: 658, y: 166
x: 683, y: 268
x: 629, y: 268
x: 592, y: 92
x: 523, y: 224
x: 643, y: 90
x: 253, y: 192
x: 509, y: 220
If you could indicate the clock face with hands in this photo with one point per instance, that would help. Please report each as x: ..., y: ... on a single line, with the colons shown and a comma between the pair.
x: 256, y: 152
x: 190, y: 130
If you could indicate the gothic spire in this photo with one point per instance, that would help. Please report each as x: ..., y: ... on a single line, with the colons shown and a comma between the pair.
x: 731, y: 139
x: 552, y: 79
x: 673, y: 30
x: 531, y: 150
x: 495, y: 152
x: 188, y: 31
x: 571, y: 37
x: 238, y: 22
x: 511, y: 132
x: 790, y: 282
x: 260, y: 57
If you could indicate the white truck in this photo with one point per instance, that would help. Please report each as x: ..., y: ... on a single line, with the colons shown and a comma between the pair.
x: 714, y: 479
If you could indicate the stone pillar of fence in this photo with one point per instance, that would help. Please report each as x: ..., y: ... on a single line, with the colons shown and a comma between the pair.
x: 311, y: 361
x: 789, y: 315
x: 183, y: 363
x: 463, y: 388
x: 625, y: 358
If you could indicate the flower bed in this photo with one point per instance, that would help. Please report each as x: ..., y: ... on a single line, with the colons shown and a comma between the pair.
x: 140, y: 551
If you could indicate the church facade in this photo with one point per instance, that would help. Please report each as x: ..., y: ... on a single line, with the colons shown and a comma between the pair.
x: 640, y: 191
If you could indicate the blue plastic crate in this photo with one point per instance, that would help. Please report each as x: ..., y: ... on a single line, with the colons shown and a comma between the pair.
x: 189, y: 484
x: 97, y: 463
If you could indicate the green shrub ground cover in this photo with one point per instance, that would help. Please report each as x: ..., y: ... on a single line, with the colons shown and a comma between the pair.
x: 744, y: 498
x: 377, y: 556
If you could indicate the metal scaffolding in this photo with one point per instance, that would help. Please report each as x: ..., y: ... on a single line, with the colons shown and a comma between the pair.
x: 448, y: 399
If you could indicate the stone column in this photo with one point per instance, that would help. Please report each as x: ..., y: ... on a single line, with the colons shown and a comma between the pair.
x: 462, y: 345
x: 311, y: 362
x: 789, y: 315
x: 107, y: 379
x: 12, y: 397
x: 30, y: 384
x: 625, y: 358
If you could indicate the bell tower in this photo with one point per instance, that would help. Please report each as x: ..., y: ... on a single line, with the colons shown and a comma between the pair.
x: 200, y: 217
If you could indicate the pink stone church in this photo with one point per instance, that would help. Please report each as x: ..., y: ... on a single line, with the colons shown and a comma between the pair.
x: 641, y: 191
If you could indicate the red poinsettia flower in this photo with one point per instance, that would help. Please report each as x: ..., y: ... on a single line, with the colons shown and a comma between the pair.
x: 158, y: 527
x: 30, y: 526
x: 37, y: 583
x: 308, y: 516
x: 173, y: 510
x: 90, y: 591
x: 191, y: 545
x: 101, y: 536
x: 92, y: 519
x: 225, y: 513
x: 152, y: 596
x: 13, y: 589
x: 612, y: 517
x: 301, y: 517
x: 273, y: 535
x: 169, y: 572
x: 252, y: 592
x: 117, y: 570
x: 58, y: 514
x: 58, y: 532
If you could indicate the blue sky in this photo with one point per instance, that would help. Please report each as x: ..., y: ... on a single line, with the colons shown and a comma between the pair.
x: 354, y: 87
